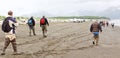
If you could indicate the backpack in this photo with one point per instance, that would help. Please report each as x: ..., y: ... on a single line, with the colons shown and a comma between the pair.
x: 5, y: 25
x: 42, y: 21
x: 30, y: 22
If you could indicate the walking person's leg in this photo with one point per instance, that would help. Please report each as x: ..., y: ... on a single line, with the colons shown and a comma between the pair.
x: 14, y: 45
x: 29, y: 31
x: 96, y: 37
x: 42, y: 30
x: 93, y: 39
x: 45, y: 30
x: 33, y: 28
x: 97, y: 40
x: 7, y: 42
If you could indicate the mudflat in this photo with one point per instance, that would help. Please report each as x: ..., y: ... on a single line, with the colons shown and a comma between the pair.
x: 64, y: 40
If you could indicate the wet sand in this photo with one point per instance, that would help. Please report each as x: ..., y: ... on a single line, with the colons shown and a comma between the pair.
x: 65, y: 40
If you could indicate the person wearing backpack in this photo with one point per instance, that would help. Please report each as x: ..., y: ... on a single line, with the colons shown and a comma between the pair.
x: 95, y: 28
x: 8, y: 29
x: 31, y: 24
x: 43, y: 25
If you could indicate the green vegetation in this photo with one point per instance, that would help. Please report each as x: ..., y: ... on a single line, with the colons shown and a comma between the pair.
x: 2, y: 17
x: 18, y: 18
x: 79, y: 17
x: 62, y: 17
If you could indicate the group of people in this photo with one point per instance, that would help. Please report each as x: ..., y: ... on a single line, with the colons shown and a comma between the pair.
x: 10, y: 23
x: 8, y: 27
x: 96, y: 28
x: 43, y: 24
x: 106, y: 23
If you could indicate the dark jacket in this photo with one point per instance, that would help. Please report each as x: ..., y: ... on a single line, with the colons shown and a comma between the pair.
x: 46, y: 22
x: 33, y: 21
x: 95, y: 27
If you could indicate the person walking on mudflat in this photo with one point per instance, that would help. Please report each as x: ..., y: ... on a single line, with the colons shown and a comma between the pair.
x: 43, y: 25
x: 8, y: 29
x: 31, y: 24
x: 107, y: 23
x: 95, y: 28
x: 112, y: 25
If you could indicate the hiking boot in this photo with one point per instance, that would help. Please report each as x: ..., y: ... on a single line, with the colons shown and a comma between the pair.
x: 93, y: 42
x: 2, y: 53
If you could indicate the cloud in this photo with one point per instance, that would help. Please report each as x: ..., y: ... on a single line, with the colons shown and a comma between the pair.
x: 55, y: 7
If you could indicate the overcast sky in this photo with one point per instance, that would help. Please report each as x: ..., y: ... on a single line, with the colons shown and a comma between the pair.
x: 56, y: 7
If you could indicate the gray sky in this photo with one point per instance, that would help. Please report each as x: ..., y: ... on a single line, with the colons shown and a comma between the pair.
x: 56, y: 7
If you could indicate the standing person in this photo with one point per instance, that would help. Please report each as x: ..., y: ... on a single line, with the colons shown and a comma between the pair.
x: 112, y: 25
x: 101, y: 23
x: 95, y: 28
x: 107, y: 24
x: 31, y: 24
x: 43, y: 25
x: 8, y: 29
